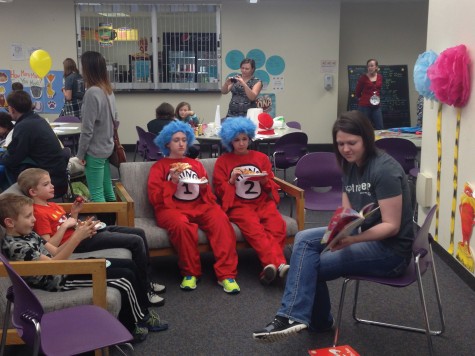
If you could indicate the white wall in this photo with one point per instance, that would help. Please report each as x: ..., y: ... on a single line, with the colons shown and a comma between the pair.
x: 392, y: 32
x: 302, y: 32
x: 450, y: 24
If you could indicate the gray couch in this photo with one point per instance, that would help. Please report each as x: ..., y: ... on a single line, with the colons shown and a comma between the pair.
x: 132, y: 188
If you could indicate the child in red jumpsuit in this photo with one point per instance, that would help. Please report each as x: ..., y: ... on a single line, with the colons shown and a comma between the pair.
x: 183, y: 202
x: 250, y: 200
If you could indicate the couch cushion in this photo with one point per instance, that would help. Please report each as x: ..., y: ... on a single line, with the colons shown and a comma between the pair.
x: 158, y: 238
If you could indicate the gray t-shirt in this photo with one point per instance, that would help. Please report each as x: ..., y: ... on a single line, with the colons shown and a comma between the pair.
x: 30, y: 248
x: 382, y: 178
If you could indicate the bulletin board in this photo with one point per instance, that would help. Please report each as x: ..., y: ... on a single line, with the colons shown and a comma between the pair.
x: 46, y: 93
x: 394, y: 93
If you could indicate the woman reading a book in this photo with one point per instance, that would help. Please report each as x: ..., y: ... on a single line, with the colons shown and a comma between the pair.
x: 382, y: 248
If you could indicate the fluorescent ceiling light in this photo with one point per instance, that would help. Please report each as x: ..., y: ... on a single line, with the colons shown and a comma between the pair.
x: 113, y: 14
x: 253, y: 1
x: 6, y: 1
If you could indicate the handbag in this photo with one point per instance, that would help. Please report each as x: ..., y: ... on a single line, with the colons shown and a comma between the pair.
x: 118, y: 154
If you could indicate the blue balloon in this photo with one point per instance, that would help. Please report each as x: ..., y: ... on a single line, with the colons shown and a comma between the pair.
x: 421, y: 80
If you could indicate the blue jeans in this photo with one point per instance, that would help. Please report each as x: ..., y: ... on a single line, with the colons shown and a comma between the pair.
x: 306, y: 298
x: 374, y: 115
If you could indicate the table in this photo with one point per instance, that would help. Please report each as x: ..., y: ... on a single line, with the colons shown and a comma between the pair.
x: 66, y: 128
x: 416, y: 139
x: 68, y: 133
x: 268, y: 139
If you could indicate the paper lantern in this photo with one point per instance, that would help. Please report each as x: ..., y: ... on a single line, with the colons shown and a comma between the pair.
x: 421, y: 80
x: 450, y: 77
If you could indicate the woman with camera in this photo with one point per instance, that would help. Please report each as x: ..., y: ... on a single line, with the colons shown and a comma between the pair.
x: 244, y: 89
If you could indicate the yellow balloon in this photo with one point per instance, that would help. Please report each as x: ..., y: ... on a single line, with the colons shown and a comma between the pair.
x: 40, y: 62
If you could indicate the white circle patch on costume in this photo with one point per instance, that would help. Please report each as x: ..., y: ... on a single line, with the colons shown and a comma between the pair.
x: 247, y: 189
x: 186, y: 191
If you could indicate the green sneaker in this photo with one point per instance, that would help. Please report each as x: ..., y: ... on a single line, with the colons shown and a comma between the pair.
x: 188, y: 283
x: 230, y: 286
x: 153, y: 323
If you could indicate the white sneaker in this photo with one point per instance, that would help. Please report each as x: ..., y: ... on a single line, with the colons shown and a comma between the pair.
x: 157, y: 288
x: 155, y: 299
x: 283, y: 270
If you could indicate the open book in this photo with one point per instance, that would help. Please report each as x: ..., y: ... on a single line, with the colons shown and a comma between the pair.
x: 344, y: 221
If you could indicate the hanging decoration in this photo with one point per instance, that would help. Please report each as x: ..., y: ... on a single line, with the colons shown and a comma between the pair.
x: 421, y: 79
x: 450, y: 81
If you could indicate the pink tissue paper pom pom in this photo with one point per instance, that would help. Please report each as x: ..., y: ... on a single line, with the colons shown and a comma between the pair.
x: 450, y: 76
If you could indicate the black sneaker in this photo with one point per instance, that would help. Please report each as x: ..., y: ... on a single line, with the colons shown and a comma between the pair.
x: 268, y: 274
x: 279, y: 329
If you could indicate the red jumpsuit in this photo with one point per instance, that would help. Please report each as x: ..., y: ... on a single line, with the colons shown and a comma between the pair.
x: 183, y: 208
x: 252, y: 206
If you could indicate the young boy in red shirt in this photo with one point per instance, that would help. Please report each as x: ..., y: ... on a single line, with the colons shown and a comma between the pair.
x: 56, y: 227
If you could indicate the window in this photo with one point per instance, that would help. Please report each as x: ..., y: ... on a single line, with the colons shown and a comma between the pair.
x: 154, y: 46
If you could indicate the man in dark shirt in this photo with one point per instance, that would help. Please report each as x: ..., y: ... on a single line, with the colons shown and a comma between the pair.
x: 34, y: 143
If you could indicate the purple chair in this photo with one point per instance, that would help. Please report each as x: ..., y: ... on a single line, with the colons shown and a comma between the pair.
x: 288, y: 150
x: 319, y: 175
x: 404, y: 151
x: 67, y: 331
x: 420, y: 263
x: 140, y: 146
x: 294, y: 125
x: 70, y: 141
x: 152, y: 152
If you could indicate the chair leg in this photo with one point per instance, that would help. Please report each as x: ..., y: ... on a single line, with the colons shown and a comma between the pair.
x: 6, y: 319
x: 340, y: 311
x: 128, y: 345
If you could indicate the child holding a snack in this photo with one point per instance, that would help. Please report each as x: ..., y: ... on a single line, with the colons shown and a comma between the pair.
x: 21, y: 243
x: 183, y: 202
x: 56, y: 227
x: 243, y: 181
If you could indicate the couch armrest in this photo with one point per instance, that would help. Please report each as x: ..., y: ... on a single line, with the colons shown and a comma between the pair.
x: 124, y: 197
x: 297, y: 194
x: 95, y: 267
x: 121, y: 209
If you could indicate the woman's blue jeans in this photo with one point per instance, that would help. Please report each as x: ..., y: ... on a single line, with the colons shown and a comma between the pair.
x: 306, y: 298
x: 374, y: 114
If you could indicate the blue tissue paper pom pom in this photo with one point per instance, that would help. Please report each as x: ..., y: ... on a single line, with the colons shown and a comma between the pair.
x: 421, y: 80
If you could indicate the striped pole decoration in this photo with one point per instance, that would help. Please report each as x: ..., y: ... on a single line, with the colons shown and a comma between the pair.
x: 455, y: 182
x: 439, y: 166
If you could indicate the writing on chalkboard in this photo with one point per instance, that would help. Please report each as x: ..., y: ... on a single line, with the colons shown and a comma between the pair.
x: 394, y: 93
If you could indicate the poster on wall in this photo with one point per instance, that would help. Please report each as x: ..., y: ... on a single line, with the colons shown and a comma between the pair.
x: 46, y: 93
x: 267, y: 103
x: 464, y: 252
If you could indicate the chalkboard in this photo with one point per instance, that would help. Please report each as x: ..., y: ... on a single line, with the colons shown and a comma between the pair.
x: 394, y: 93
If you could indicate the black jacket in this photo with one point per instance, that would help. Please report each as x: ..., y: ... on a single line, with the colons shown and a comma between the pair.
x: 34, y: 144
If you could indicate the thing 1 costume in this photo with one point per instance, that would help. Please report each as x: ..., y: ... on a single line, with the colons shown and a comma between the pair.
x: 183, y: 208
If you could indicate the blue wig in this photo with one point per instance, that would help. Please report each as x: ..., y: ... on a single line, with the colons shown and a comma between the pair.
x: 165, y: 136
x: 234, y: 126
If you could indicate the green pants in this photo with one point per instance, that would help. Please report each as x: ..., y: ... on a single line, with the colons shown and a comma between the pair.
x: 99, y: 182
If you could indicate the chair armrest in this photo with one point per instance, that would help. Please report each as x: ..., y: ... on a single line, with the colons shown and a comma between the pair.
x: 298, y: 194
x: 124, y: 197
x: 119, y: 208
x: 94, y: 267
